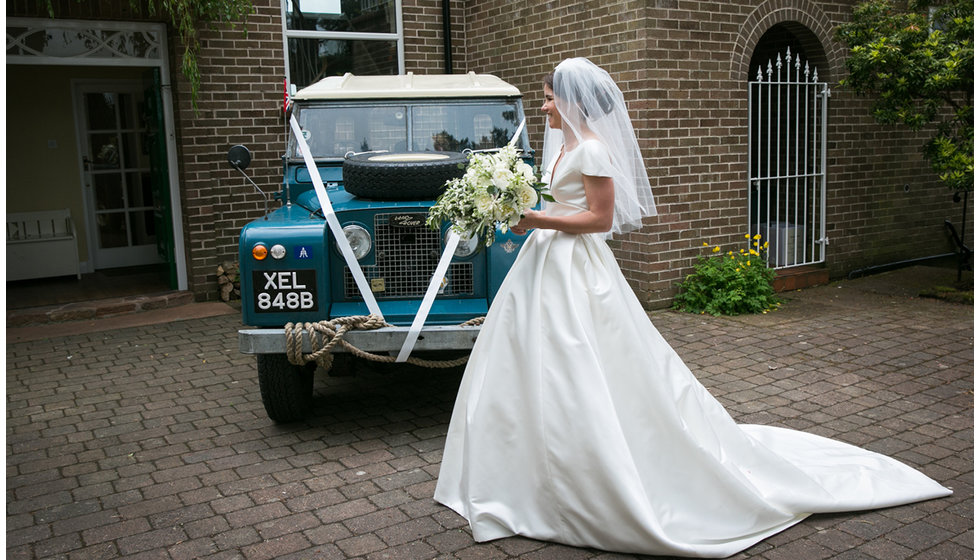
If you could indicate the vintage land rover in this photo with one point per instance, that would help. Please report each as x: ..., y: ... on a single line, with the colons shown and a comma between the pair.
x: 371, y: 154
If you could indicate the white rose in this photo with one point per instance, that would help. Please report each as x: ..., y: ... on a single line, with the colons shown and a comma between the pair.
x: 502, y: 178
x: 484, y: 203
x: 527, y: 196
x: 526, y: 170
x: 503, y: 212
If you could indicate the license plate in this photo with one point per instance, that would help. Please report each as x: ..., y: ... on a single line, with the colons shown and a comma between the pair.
x: 284, y: 290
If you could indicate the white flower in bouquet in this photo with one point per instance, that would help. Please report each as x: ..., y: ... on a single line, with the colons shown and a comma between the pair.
x: 496, y: 190
x: 502, y: 178
x: 526, y: 170
x: 483, y: 202
x: 527, y: 196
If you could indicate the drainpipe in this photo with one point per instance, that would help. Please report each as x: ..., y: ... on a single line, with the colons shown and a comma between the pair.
x: 447, y: 38
x: 894, y: 265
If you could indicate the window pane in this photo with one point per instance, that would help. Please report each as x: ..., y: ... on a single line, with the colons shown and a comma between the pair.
x: 373, y: 16
x: 138, y: 189
x: 455, y: 128
x: 144, y: 228
x: 126, y: 111
x: 105, y: 151
x: 108, y: 191
x: 132, y: 156
x: 101, y: 111
x: 334, y: 131
x: 311, y: 60
x: 112, y: 230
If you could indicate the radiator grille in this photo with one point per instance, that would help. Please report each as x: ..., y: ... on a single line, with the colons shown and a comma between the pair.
x: 405, y: 259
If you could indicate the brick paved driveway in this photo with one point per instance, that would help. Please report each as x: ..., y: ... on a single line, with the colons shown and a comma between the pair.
x: 152, y: 442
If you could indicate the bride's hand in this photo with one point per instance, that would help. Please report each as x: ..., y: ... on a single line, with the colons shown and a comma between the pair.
x: 529, y: 221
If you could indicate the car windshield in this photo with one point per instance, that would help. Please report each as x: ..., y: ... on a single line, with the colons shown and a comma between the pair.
x: 334, y: 130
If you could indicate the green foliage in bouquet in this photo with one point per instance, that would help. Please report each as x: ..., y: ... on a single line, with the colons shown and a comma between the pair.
x: 729, y: 284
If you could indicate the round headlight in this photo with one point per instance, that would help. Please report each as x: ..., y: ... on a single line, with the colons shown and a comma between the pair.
x: 277, y: 251
x: 359, y: 239
x: 467, y: 245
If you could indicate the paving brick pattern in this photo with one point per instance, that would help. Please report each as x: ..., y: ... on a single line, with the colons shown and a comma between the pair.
x: 152, y: 443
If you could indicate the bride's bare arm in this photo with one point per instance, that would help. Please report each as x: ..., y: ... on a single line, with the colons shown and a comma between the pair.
x: 600, y: 196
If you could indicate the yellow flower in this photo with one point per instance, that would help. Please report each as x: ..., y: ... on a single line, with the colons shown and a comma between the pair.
x: 765, y: 245
x: 704, y: 243
x: 716, y: 249
x: 753, y: 253
x: 746, y: 236
x: 729, y: 252
x: 757, y: 236
x: 748, y: 263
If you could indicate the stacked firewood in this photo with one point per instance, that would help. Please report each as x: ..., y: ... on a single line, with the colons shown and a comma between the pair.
x: 228, y: 281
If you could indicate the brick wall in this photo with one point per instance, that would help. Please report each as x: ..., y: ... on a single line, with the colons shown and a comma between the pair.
x: 424, y: 37
x: 683, y: 66
x: 240, y: 102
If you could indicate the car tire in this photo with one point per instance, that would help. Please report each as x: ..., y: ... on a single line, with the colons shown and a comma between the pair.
x: 287, y: 389
x: 344, y: 365
x: 401, y: 176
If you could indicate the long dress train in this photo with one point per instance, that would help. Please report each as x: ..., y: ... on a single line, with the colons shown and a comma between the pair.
x: 576, y: 422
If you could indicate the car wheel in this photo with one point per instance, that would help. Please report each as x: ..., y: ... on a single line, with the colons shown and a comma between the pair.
x: 401, y: 176
x: 344, y: 365
x: 287, y: 390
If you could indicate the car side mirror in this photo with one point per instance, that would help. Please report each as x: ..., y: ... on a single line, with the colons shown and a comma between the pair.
x: 239, y: 157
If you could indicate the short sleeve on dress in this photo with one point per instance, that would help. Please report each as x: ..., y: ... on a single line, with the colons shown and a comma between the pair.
x: 594, y: 159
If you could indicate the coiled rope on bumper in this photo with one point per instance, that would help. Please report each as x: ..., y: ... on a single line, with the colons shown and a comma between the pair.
x: 325, y: 335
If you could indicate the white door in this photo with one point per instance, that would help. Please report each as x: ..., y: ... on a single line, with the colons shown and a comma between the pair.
x: 116, y: 173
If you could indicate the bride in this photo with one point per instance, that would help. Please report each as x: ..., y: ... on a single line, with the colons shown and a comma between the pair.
x: 577, y: 423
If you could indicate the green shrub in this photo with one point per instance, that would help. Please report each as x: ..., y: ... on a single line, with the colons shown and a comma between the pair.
x: 729, y: 284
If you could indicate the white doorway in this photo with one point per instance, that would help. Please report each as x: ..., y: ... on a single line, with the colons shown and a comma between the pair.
x: 121, y: 220
x: 112, y: 130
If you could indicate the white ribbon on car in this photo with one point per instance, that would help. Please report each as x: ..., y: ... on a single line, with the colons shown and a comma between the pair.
x: 437, y: 277
x: 333, y: 222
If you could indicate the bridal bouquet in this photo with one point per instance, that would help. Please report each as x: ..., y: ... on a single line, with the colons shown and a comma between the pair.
x: 496, y: 190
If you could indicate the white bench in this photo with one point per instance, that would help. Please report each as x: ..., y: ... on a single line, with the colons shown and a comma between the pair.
x: 41, y: 245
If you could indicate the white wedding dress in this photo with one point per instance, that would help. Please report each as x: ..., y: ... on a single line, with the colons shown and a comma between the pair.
x: 577, y: 423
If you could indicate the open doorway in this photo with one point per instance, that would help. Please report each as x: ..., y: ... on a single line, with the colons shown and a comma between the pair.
x: 90, y: 130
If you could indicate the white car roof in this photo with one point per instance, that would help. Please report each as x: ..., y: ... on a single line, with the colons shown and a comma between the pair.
x: 408, y: 85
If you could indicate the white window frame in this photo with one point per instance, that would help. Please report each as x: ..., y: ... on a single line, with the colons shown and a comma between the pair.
x: 398, y: 36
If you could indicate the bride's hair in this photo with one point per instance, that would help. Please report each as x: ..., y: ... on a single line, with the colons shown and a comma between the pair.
x: 605, y: 101
x: 592, y: 106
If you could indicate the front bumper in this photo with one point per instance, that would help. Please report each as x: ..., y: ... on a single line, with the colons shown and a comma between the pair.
x: 387, y: 339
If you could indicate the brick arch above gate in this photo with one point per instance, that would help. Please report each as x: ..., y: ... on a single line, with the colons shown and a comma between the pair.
x: 774, y: 12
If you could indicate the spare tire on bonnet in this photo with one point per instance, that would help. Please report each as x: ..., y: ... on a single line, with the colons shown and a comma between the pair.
x: 403, y: 175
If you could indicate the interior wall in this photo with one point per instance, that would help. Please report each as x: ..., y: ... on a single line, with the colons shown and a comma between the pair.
x: 43, y: 170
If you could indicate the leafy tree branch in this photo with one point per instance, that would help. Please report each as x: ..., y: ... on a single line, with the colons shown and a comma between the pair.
x: 916, y: 59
